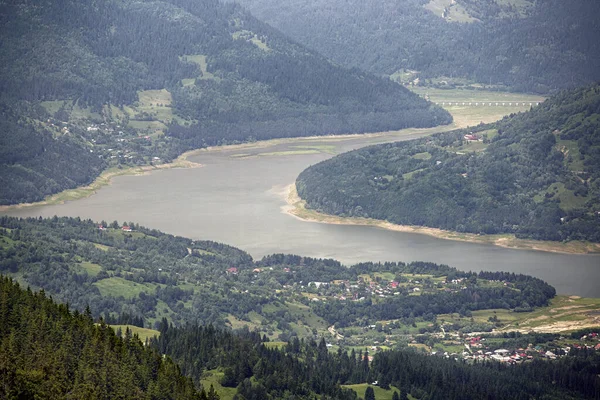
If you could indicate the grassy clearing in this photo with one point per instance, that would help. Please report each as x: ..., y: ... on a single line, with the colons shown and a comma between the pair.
x: 199, y: 60
x: 323, y: 148
x: 565, y: 313
x: 213, y: 378
x: 567, y: 198
x: 155, y: 98
x: 6, y: 242
x: 237, y: 323
x: 455, y: 12
x: 409, y: 175
x: 252, y: 38
x: 116, y: 287
x: 571, y: 151
x: 422, y: 156
x: 290, y: 153
x: 89, y: 267
x: 380, y: 394
x: 143, y: 333
x: 275, y: 345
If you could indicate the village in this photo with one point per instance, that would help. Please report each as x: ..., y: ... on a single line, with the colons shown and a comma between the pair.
x: 472, y: 336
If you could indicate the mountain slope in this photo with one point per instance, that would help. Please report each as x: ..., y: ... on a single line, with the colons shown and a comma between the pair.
x: 534, y: 46
x: 180, y: 73
x: 536, y: 174
x: 150, y: 275
x: 47, y: 352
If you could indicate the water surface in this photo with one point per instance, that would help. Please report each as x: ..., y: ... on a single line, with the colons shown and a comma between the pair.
x: 238, y: 201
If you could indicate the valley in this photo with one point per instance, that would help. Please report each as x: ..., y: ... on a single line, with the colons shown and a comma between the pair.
x: 394, y: 200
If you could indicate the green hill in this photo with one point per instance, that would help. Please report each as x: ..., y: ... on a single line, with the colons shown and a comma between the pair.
x: 138, y: 82
x: 51, y: 351
x: 535, y: 174
x: 533, y: 46
x: 145, y: 276
x: 48, y: 352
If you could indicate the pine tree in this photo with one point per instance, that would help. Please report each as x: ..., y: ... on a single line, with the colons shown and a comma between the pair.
x: 370, y: 393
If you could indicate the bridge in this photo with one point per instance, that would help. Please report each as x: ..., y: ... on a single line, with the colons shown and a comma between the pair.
x: 487, y: 104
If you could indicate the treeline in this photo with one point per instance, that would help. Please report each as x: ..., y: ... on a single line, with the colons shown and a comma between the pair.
x: 303, y: 368
x: 530, y: 46
x: 437, y: 378
x: 34, y: 163
x: 51, y: 352
x: 535, y: 174
x: 525, y: 294
x: 142, y: 276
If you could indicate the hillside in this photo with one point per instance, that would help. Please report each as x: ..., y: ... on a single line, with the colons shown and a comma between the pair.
x: 48, y: 352
x: 535, y: 175
x: 139, y: 82
x: 142, y: 276
x: 533, y: 46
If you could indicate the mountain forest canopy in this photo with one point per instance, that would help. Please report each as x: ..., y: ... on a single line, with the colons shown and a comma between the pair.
x: 119, y: 83
x: 148, y: 275
x: 525, y: 45
x: 50, y: 350
x: 535, y: 174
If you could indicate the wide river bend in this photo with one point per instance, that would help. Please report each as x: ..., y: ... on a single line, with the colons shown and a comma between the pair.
x: 237, y: 198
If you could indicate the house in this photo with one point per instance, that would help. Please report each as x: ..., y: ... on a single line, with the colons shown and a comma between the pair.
x: 471, y: 137
x: 126, y: 228
x: 101, y: 227
x: 232, y: 270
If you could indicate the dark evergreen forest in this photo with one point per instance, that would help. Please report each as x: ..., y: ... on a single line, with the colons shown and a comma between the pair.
x: 535, y: 174
x: 56, y: 351
x: 533, y: 46
x: 48, y: 351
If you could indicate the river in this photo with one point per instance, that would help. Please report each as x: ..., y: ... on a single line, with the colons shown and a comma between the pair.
x: 237, y: 198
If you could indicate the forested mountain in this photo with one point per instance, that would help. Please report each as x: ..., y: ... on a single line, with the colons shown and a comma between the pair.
x: 141, y: 81
x: 56, y: 351
x: 301, y: 368
x: 144, y: 276
x: 534, y: 46
x: 535, y: 174
x: 48, y: 351
x: 33, y: 164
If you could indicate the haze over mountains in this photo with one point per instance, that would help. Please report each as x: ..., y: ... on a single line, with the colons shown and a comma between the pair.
x: 200, y: 72
x: 526, y: 45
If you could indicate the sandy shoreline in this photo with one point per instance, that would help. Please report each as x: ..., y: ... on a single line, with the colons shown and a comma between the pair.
x: 104, y: 179
x: 296, y: 207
